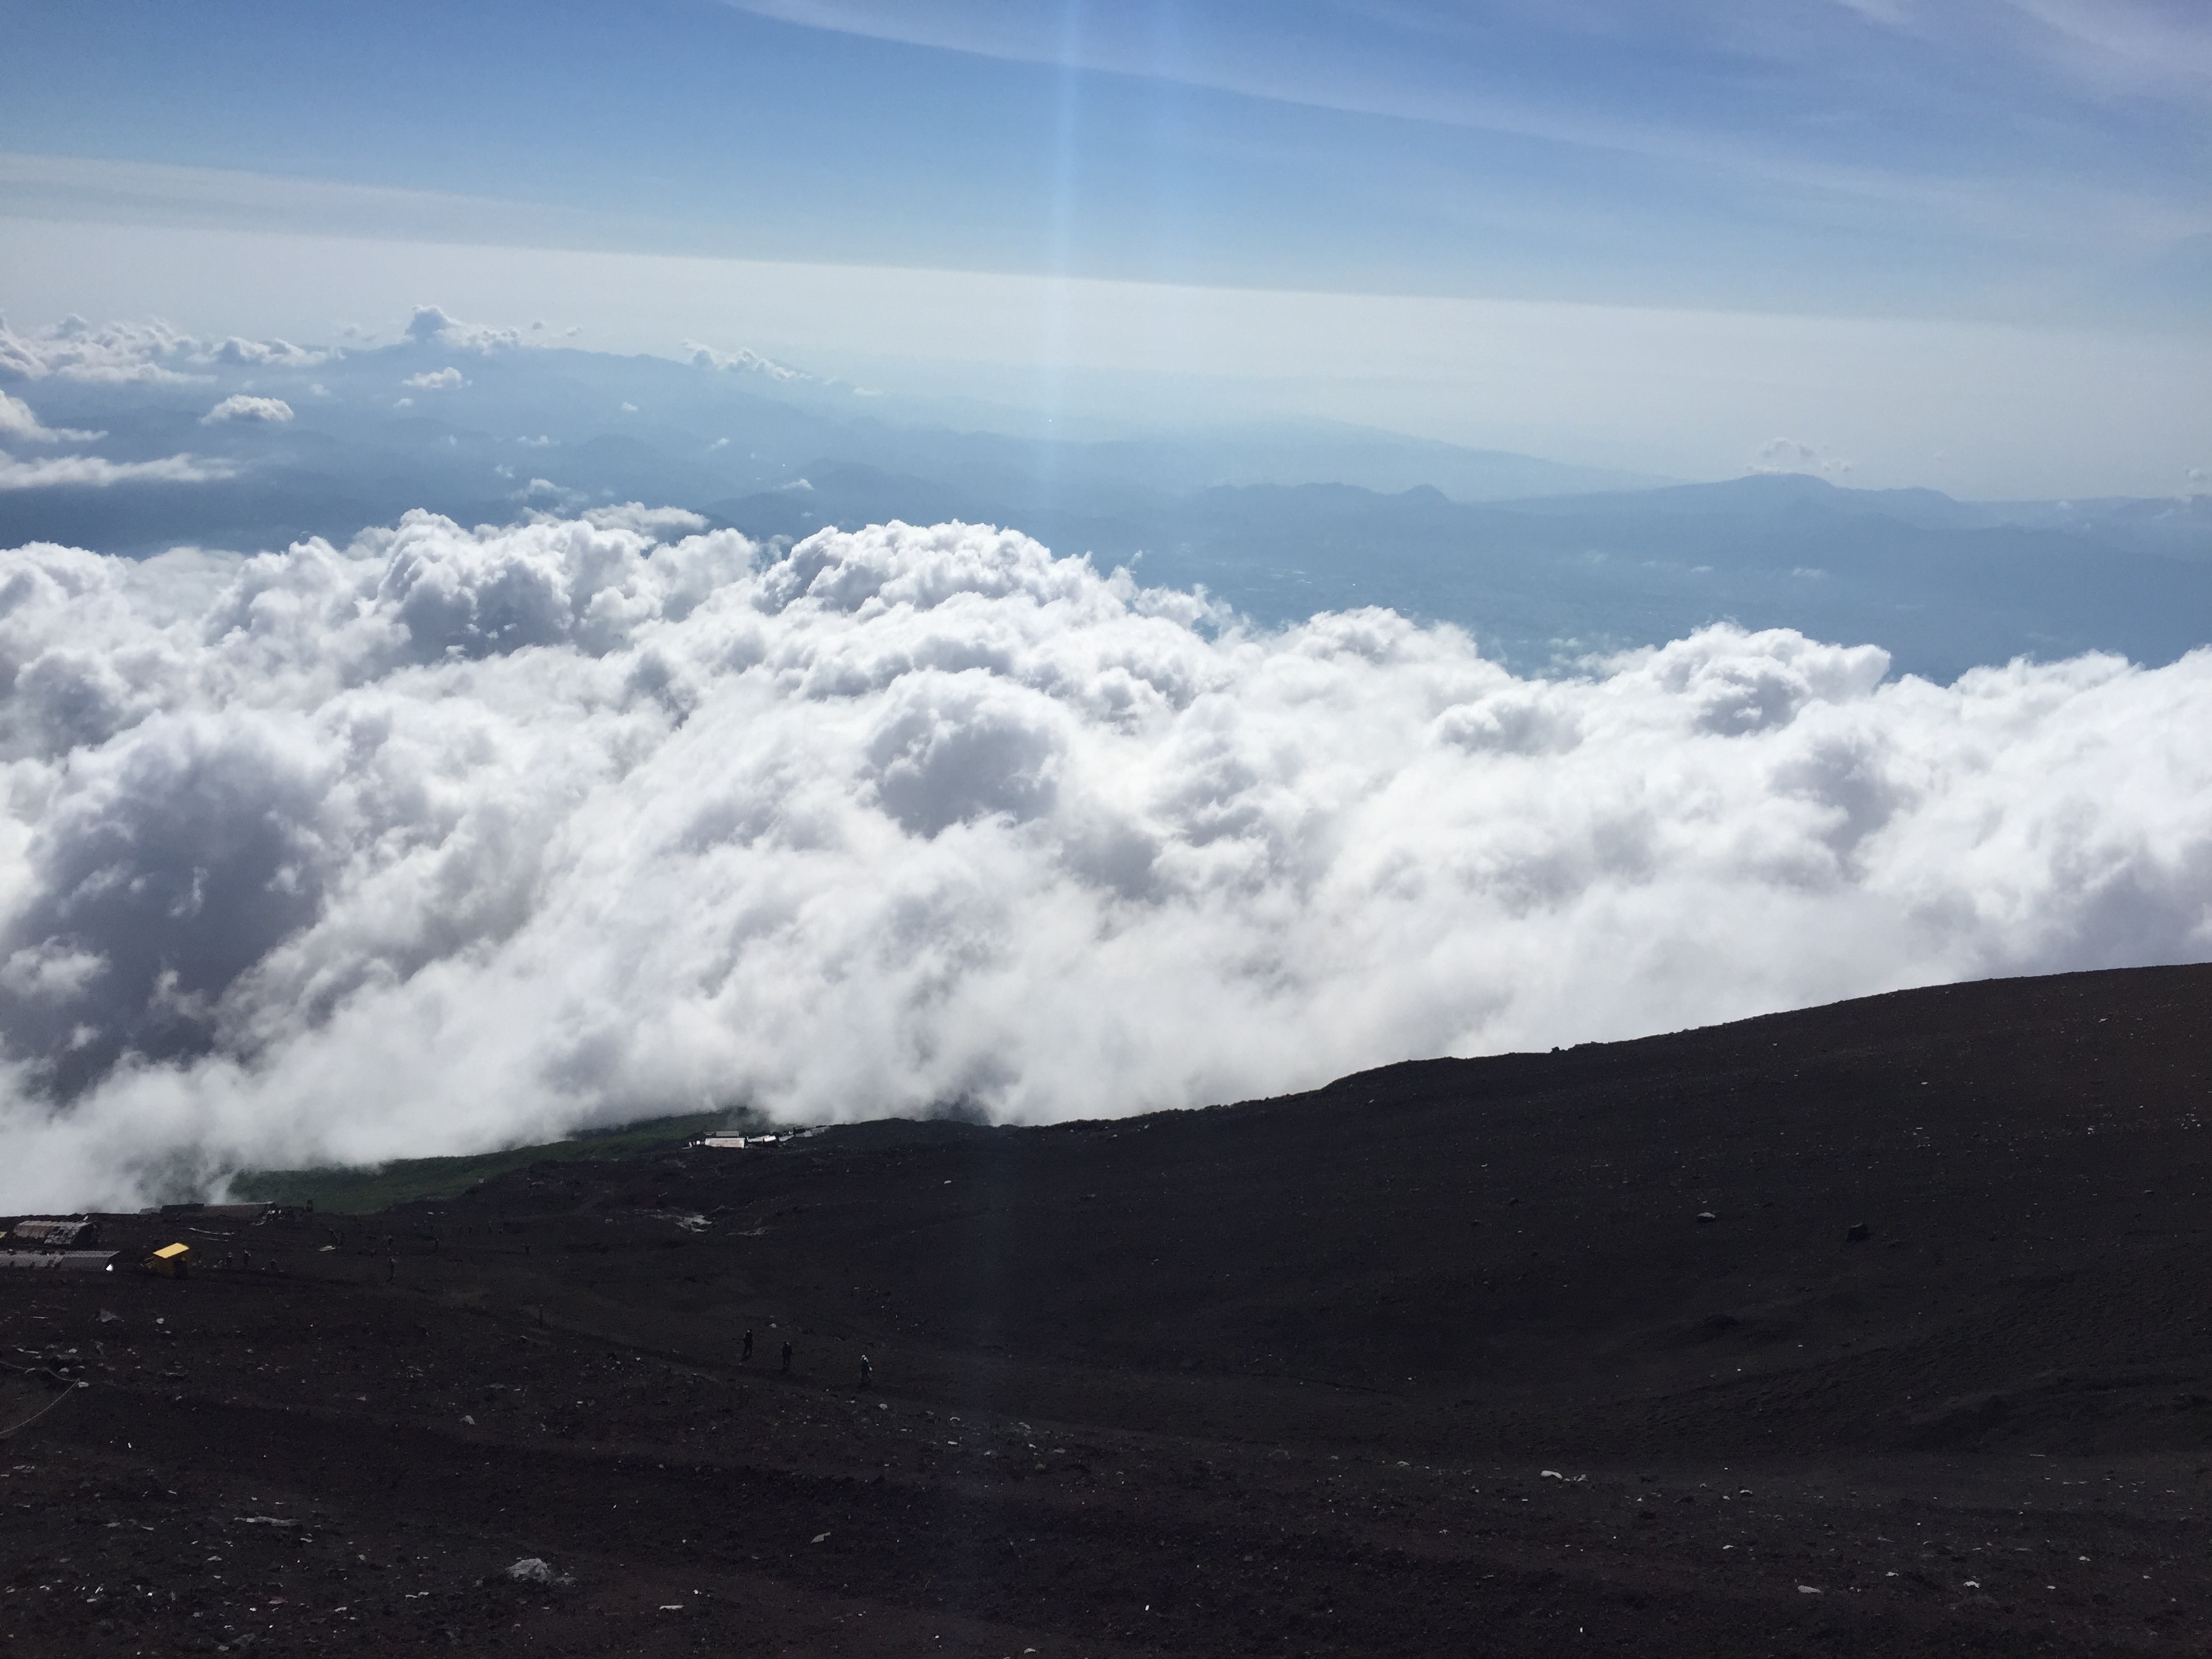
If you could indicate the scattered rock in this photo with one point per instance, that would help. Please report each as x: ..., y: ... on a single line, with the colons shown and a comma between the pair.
x: 1857, y: 1233
x: 1706, y: 1215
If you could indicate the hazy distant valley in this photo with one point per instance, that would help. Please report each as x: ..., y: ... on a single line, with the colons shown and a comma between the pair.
x: 1543, y: 563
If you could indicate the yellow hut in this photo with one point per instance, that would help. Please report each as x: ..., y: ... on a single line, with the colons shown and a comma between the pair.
x: 170, y: 1261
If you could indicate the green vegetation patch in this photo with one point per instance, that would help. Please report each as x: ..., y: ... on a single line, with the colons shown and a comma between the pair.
x: 361, y: 1191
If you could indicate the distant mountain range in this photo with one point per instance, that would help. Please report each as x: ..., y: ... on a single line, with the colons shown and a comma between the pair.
x: 1543, y: 583
x: 1545, y: 563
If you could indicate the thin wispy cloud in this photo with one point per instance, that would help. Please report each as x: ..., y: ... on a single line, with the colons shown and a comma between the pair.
x: 93, y: 473
x: 2140, y: 47
x: 20, y: 424
x: 2040, y: 161
x: 1694, y: 82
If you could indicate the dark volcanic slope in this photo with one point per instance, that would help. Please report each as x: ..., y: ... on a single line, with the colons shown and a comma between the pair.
x: 1441, y: 1358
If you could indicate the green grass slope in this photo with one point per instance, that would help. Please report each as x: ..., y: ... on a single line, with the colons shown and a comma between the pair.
x: 361, y: 1191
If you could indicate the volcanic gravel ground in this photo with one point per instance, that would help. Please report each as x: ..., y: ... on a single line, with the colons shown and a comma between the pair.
x: 1441, y: 1358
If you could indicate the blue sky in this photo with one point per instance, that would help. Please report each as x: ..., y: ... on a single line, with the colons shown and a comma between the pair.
x: 2038, y: 165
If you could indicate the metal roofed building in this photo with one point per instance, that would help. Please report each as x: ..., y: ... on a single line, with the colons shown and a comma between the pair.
x: 253, y: 1212
x: 63, y: 1261
x: 56, y: 1233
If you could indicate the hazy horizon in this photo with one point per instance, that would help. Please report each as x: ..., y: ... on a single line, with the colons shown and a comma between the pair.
x: 1964, y: 247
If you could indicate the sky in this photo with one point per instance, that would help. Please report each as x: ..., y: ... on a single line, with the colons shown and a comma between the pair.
x: 1967, y: 245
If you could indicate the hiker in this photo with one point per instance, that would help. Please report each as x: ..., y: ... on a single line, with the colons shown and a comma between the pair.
x: 393, y: 1265
x: 866, y: 1369
x: 787, y: 1358
x: 746, y: 1357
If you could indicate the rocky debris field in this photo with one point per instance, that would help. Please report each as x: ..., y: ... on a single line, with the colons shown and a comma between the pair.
x: 1876, y: 1330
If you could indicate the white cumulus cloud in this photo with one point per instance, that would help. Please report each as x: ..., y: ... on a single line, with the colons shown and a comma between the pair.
x: 240, y: 406
x: 430, y: 326
x: 434, y: 379
x: 1789, y: 455
x: 742, y: 363
x: 454, y: 838
x: 268, y: 353
x: 74, y: 349
x: 148, y: 353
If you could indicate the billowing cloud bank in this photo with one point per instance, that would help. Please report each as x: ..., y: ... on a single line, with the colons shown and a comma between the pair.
x: 151, y: 354
x: 453, y: 838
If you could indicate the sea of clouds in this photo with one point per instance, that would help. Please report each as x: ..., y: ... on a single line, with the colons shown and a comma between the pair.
x: 451, y: 839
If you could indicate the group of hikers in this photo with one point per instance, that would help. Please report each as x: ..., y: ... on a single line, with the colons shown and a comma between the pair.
x: 745, y: 1357
x: 243, y: 1261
